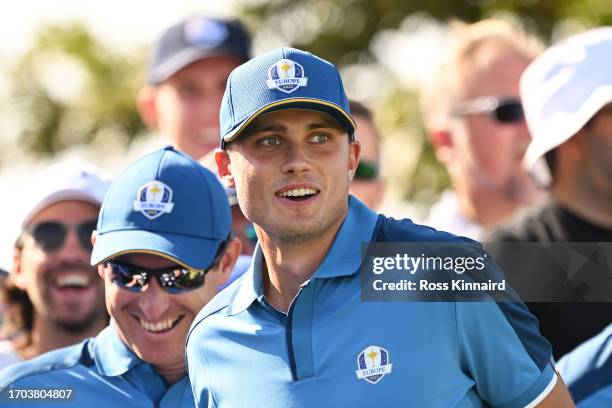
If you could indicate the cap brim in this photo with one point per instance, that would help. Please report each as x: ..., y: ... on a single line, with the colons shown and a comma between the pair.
x: 189, y: 56
x: 189, y: 251
x: 333, y: 110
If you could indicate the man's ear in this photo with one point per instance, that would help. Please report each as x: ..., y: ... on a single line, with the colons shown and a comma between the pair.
x: 147, y: 107
x: 227, y: 262
x: 94, y: 237
x: 224, y: 167
x: 354, y: 154
x: 442, y: 142
x: 16, y: 272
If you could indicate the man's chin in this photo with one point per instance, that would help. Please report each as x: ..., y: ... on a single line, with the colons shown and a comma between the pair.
x: 80, y: 323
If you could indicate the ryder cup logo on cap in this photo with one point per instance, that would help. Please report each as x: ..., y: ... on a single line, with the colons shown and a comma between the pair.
x: 373, y: 364
x: 154, y: 199
x: 165, y: 203
x: 286, y: 76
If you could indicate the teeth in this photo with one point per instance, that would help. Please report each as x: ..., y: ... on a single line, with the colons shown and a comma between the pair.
x: 73, y: 279
x: 298, y: 192
x: 159, y: 326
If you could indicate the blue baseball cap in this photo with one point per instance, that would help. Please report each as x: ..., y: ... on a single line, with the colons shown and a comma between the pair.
x: 166, y: 204
x: 194, y: 39
x: 284, y: 78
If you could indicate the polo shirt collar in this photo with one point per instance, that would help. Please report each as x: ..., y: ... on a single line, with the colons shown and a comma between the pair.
x: 112, y: 356
x: 342, y: 259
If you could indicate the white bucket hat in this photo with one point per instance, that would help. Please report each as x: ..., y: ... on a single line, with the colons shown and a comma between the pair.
x: 561, y: 90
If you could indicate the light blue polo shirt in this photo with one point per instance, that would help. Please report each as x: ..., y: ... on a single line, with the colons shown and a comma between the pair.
x: 587, y: 371
x: 333, y: 350
x: 101, y: 371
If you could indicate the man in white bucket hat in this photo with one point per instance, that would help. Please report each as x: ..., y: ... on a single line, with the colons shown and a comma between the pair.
x: 567, y: 98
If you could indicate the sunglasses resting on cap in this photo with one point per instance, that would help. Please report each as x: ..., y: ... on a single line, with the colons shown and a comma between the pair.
x: 51, y: 235
x: 501, y: 110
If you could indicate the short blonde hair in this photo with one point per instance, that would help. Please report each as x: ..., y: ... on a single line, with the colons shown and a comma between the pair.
x: 470, y: 43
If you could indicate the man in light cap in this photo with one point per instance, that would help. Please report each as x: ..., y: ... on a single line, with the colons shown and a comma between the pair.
x: 292, y: 330
x: 163, y: 247
x: 567, y: 97
x: 53, y: 296
x: 186, y: 80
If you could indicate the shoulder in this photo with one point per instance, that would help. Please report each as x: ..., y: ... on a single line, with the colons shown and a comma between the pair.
x: 537, y: 224
x: 405, y: 230
x: 219, y: 305
x: 53, y: 361
x: 585, y: 367
x: 8, y: 355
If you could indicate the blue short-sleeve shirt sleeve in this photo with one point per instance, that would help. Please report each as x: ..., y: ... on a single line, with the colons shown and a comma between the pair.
x: 501, y: 349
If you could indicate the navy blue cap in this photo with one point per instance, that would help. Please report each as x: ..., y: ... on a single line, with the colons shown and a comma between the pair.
x: 166, y: 204
x: 194, y: 39
x: 283, y: 78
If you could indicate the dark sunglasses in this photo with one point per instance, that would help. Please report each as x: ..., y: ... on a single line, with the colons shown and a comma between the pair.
x: 51, y: 235
x: 174, y: 279
x: 502, y: 110
x: 366, y: 170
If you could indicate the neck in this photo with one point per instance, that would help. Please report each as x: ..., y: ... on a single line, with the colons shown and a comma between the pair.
x: 172, y: 374
x: 585, y: 200
x: 287, y: 265
x: 47, y: 336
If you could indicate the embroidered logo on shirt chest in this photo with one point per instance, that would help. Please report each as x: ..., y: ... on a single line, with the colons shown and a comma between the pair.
x: 373, y: 364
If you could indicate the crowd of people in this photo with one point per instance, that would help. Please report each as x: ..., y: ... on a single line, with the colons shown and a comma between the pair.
x: 224, y: 269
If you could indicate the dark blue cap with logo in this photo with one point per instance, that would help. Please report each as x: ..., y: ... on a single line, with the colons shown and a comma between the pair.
x: 283, y: 78
x: 166, y: 204
x: 194, y: 39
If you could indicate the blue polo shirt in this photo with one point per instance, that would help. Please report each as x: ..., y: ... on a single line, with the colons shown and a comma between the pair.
x: 100, y: 371
x: 587, y: 371
x: 332, y: 349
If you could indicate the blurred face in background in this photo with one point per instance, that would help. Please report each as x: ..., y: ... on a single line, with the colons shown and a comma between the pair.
x: 55, y: 273
x: 367, y: 184
x: 185, y: 107
x: 486, y: 146
x: 595, y: 141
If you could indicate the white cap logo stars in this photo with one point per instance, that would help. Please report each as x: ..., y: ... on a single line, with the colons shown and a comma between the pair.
x: 154, y: 199
x: 286, y: 76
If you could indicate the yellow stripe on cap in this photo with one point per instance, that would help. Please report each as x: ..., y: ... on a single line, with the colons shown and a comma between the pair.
x: 284, y: 102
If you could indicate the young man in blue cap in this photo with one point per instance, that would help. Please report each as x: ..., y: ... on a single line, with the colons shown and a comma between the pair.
x: 163, y: 247
x: 292, y: 331
x: 186, y: 80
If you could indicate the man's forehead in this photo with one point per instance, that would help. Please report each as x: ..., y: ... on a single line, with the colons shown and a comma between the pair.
x: 309, y: 118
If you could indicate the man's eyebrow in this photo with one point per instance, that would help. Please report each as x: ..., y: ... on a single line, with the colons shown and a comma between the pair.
x: 328, y: 124
x: 272, y: 127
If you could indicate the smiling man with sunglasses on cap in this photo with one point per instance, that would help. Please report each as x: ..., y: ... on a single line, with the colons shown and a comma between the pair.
x: 293, y: 331
x: 474, y: 120
x: 163, y: 246
x: 53, y: 295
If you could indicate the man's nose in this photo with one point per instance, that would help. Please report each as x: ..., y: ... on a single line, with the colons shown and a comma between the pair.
x: 296, y: 160
x: 154, y: 301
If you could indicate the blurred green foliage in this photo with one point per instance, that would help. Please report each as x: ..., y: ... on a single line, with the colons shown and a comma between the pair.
x: 102, y: 101
x: 57, y: 114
